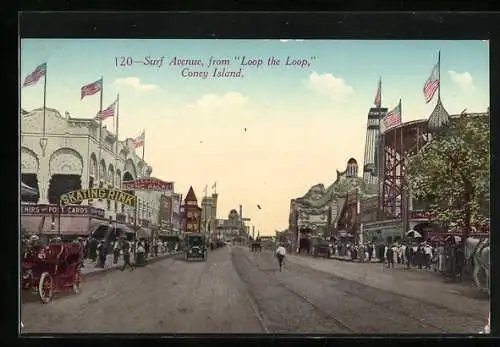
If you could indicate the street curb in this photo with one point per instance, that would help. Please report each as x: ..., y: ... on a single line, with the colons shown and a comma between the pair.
x: 114, y: 268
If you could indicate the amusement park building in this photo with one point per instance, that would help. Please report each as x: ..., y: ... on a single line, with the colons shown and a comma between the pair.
x: 69, y: 159
x: 397, y: 211
x: 320, y: 211
x: 231, y: 227
x: 374, y: 207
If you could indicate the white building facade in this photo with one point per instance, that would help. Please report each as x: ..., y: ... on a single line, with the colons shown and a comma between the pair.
x: 72, y: 147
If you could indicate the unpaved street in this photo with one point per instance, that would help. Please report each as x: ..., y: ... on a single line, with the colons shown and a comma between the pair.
x: 170, y: 296
x: 301, y: 299
x: 237, y: 291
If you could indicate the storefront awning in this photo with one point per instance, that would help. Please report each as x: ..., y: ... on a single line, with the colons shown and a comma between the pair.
x: 27, y: 190
x: 143, y: 232
x: 123, y: 228
x: 95, y: 225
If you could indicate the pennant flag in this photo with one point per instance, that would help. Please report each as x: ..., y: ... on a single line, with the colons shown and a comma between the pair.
x: 393, y: 117
x: 109, y: 112
x: 91, y: 89
x: 35, y: 76
x: 378, y: 96
x: 139, y: 141
x: 432, y: 84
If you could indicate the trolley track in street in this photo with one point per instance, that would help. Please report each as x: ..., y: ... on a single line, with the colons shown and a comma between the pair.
x: 331, y: 283
x: 441, y: 307
x: 328, y: 316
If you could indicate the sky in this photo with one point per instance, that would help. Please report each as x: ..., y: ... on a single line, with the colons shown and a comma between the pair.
x: 268, y: 135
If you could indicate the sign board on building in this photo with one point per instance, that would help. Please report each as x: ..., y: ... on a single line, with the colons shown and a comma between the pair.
x: 148, y: 183
x: 420, y: 215
x: 51, y: 209
x: 165, y: 210
x: 76, y: 196
x: 176, y: 211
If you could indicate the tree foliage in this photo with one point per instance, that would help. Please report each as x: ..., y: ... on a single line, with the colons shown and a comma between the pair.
x: 452, y: 172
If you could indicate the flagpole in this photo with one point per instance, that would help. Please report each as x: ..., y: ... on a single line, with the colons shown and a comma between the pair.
x: 116, y: 131
x: 44, y: 99
x: 143, y: 144
x: 43, y: 140
x: 380, y: 85
x: 439, y: 75
x: 100, y: 135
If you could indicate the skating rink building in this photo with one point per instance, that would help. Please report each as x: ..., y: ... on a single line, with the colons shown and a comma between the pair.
x: 69, y: 158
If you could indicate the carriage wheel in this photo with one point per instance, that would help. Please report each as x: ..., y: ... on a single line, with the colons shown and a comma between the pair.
x: 77, y: 280
x: 46, y: 287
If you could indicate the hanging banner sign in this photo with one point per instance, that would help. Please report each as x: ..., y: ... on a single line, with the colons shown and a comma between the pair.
x: 98, y: 193
x: 148, y: 183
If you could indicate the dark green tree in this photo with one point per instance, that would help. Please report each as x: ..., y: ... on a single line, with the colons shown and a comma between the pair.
x: 452, y: 172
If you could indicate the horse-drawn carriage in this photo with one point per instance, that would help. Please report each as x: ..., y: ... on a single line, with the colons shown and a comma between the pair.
x: 52, y: 268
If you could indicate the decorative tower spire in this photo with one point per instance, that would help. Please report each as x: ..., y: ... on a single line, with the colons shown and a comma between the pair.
x: 439, y: 117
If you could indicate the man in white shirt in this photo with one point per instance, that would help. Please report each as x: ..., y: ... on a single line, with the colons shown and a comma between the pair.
x: 280, y: 254
x: 428, y: 255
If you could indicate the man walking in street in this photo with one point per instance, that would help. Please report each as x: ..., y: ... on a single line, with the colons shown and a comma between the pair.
x: 103, y: 252
x: 389, y: 256
x: 116, y: 251
x: 427, y: 255
x: 126, y: 256
x: 280, y: 255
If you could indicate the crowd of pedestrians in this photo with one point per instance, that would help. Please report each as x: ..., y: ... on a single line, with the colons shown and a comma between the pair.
x: 446, y: 257
x: 125, y: 250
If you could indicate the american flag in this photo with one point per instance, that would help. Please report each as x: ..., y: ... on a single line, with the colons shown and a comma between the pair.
x: 393, y: 117
x: 139, y: 141
x: 378, y: 96
x: 35, y: 76
x: 108, y: 112
x: 432, y: 84
x: 91, y: 89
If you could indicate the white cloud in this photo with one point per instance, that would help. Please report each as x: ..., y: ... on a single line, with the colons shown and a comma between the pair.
x: 135, y: 82
x: 210, y: 102
x: 329, y: 85
x: 463, y: 80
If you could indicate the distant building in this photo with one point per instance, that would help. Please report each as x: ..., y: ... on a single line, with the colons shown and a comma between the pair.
x: 231, y: 227
x: 209, y: 213
x: 192, y: 212
x: 322, y: 211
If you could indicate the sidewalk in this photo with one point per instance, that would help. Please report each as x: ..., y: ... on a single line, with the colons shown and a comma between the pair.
x: 426, y: 286
x: 90, y: 268
x: 338, y: 257
x: 346, y: 258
